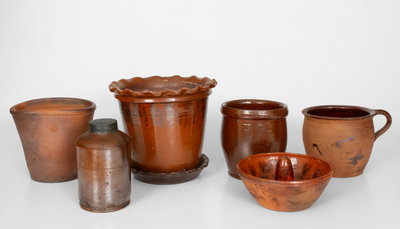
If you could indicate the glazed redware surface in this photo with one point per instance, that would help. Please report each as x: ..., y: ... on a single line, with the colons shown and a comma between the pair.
x: 165, y: 118
x: 284, y: 181
x: 251, y: 126
x: 48, y: 129
x: 104, y: 167
x: 172, y: 177
x: 342, y: 136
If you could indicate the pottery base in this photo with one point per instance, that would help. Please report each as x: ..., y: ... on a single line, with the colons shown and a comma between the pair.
x: 173, y: 177
x: 52, y: 179
x: 347, y: 175
x: 234, y: 175
x: 97, y: 210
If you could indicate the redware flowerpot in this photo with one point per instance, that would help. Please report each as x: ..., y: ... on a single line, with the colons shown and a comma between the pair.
x: 251, y: 126
x: 165, y: 118
x: 48, y: 129
x: 342, y: 135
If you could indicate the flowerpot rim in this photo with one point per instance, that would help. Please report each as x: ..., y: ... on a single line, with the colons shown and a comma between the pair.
x: 73, y: 106
x: 254, y: 109
x: 252, y: 178
x: 155, y: 89
x: 353, y: 112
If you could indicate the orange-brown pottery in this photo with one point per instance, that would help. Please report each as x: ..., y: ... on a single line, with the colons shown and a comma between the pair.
x: 48, y: 129
x: 284, y: 181
x: 165, y: 118
x: 342, y: 136
x: 251, y: 126
x: 104, y: 167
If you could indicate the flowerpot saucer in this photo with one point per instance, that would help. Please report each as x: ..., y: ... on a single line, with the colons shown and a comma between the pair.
x: 172, y: 177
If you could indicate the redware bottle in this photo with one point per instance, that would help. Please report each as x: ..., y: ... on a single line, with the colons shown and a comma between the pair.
x: 104, y: 167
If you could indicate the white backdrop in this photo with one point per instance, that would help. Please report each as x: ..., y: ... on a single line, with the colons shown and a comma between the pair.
x: 300, y: 52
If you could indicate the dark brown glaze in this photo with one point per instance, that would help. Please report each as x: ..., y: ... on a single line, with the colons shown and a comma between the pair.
x: 166, y: 137
x: 165, y: 118
x: 267, y: 180
x: 284, y: 169
x: 104, y: 168
x: 48, y: 129
x: 342, y: 135
x: 252, y: 126
x: 172, y: 177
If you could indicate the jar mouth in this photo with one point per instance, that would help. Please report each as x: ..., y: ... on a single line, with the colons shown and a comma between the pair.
x: 53, y: 106
x: 338, y: 112
x: 254, y: 108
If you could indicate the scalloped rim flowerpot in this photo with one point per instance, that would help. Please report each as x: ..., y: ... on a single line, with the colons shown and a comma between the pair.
x: 48, y: 129
x: 159, y: 89
x: 165, y: 119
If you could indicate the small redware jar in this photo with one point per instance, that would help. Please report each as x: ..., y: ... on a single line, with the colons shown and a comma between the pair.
x: 251, y: 126
x: 104, y: 165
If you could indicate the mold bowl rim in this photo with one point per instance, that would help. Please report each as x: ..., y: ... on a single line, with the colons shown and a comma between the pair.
x: 253, y: 179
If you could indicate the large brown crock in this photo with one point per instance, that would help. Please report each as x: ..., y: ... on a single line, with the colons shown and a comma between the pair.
x: 342, y: 136
x: 48, y: 129
x: 165, y: 118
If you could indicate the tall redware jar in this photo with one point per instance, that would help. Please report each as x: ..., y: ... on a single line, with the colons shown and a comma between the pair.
x: 48, y: 129
x: 251, y: 126
x: 342, y: 135
x: 165, y: 119
x: 104, y: 167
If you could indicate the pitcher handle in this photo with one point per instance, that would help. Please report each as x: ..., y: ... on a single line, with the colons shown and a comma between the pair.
x: 386, y: 126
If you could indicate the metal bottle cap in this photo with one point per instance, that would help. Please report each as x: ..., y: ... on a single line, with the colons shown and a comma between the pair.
x: 103, y: 125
